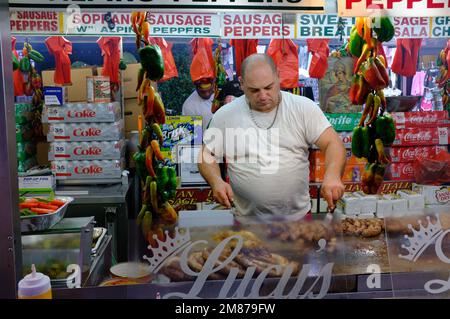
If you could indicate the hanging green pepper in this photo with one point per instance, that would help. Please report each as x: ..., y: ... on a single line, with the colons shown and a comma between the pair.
x: 385, y: 129
x: 139, y: 159
x: 360, y: 142
x: 384, y: 29
x: 162, y: 178
x: 173, y: 183
x: 152, y: 61
x: 355, y: 43
x: 16, y: 64
x: 122, y: 65
x: 157, y: 130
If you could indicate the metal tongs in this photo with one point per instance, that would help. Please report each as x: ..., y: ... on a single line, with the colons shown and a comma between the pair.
x: 329, y: 217
x: 234, y: 210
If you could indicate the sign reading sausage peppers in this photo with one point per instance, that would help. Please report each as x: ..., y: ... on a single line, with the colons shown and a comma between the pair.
x: 184, y: 25
x: 35, y: 22
x: 254, y: 26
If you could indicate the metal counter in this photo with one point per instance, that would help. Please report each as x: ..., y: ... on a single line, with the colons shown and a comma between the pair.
x: 111, y: 205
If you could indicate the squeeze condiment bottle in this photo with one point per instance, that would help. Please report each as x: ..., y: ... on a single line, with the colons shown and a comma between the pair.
x: 35, y: 286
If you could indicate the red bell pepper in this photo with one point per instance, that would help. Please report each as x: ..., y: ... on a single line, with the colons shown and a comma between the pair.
x: 372, y: 75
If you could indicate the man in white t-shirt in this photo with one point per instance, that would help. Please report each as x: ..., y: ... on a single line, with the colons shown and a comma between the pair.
x: 200, y: 101
x: 264, y: 137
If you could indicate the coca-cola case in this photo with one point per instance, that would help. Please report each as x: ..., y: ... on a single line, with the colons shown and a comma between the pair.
x: 86, y: 150
x: 103, y: 169
x: 85, y: 132
x: 82, y: 113
x: 420, y: 119
x: 400, y: 172
x: 410, y: 154
x: 421, y: 136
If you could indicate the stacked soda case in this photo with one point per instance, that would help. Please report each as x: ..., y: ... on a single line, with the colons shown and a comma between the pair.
x: 419, y: 135
x: 343, y: 123
x: 352, y: 172
x: 25, y: 137
x: 86, y: 141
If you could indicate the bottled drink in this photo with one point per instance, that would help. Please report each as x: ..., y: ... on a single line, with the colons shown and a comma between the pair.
x: 35, y: 286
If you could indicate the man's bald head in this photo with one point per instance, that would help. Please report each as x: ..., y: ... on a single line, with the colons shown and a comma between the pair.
x: 257, y: 59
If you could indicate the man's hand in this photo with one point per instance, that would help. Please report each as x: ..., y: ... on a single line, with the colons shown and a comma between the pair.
x: 222, y: 193
x: 332, y: 190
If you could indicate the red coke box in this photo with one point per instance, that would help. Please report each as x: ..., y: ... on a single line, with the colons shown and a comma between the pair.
x: 420, y: 119
x: 421, y: 136
x: 409, y: 154
x: 400, y: 172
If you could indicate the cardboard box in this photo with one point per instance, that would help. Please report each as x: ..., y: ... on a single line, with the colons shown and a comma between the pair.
x: 132, y: 112
x: 368, y: 202
x: 42, y: 153
x: 421, y: 136
x: 346, y: 138
x: 55, y: 95
x: 98, y: 89
x: 349, y: 204
x: 416, y: 201
x: 410, y: 154
x: 82, y: 112
x: 37, y: 184
x: 316, y: 157
x: 400, y: 172
x: 343, y: 121
x: 434, y: 195
x: 352, y: 173
x: 75, y: 92
x: 129, y: 80
x: 419, y: 119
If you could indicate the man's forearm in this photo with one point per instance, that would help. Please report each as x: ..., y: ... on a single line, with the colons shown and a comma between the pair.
x: 209, y: 169
x: 335, y: 159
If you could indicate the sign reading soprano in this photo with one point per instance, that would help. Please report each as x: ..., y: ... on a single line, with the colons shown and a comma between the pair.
x: 246, y: 146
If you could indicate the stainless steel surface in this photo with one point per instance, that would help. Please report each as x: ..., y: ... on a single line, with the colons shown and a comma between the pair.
x: 98, y: 239
x: 43, y: 222
x: 95, y: 194
x: 70, y: 242
x: 83, y: 182
x: 101, y: 263
x: 10, y: 241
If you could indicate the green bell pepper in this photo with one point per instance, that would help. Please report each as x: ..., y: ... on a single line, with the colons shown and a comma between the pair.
x: 385, y: 129
x: 152, y: 61
x: 360, y: 142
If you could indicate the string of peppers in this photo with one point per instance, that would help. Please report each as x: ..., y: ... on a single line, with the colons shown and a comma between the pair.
x: 221, y: 77
x: 158, y: 178
x: 376, y: 129
x: 33, y: 86
x: 443, y: 80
